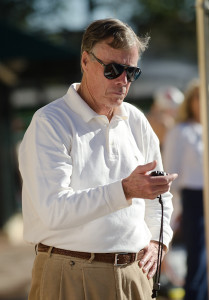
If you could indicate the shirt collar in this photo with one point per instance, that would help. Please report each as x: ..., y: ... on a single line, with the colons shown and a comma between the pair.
x: 79, y: 106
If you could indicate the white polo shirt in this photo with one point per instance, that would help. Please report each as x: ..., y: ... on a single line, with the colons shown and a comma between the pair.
x: 72, y: 161
x: 183, y: 154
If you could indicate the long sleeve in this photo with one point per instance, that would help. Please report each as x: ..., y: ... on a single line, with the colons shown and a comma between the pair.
x: 46, y: 168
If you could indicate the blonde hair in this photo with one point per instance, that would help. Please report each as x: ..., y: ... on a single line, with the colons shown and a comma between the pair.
x: 185, y: 112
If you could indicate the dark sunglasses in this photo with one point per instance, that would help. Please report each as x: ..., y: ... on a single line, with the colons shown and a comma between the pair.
x: 113, y: 70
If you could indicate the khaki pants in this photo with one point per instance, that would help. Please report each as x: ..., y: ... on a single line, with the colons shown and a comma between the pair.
x: 58, y: 277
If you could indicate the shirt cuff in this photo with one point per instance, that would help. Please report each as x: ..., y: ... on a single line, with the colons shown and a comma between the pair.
x: 167, y: 236
x: 117, y: 199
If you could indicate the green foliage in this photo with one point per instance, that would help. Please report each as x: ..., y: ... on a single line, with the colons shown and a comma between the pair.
x: 152, y: 10
x: 17, y: 12
x: 171, y: 25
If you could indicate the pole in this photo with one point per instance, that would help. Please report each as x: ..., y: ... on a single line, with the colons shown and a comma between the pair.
x: 202, y: 14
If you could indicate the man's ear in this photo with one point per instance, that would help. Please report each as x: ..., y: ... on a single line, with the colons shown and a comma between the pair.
x: 84, y: 60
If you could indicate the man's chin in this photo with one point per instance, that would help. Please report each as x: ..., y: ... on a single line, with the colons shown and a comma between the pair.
x: 118, y: 99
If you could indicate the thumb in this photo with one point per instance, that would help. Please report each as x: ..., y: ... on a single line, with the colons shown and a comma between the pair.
x: 148, y: 167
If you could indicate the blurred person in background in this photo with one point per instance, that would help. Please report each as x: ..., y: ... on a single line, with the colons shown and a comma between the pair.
x: 183, y: 153
x: 162, y: 114
x: 89, y: 202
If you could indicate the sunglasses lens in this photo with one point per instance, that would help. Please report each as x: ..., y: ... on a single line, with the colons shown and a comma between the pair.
x: 113, y: 70
x: 133, y: 73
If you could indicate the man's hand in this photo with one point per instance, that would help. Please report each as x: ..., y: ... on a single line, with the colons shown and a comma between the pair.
x: 139, y: 184
x: 149, y: 261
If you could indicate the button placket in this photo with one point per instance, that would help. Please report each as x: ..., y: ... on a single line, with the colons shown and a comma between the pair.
x: 112, y: 143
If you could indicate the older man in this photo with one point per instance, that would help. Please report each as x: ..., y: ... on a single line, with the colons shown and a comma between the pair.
x: 89, y: 203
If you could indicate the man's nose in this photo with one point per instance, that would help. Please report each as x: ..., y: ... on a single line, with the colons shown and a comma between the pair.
x: 123, y: 78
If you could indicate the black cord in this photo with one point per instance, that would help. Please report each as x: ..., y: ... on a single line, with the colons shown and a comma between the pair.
x: 156, y: 286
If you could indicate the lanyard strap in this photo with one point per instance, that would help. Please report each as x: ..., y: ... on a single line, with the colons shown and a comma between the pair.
x: 156, y: 286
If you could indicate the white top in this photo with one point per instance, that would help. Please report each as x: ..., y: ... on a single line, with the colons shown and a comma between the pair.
x: 183, y: 154
x: 72, y: 161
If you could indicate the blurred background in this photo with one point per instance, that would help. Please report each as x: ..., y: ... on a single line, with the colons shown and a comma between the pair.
x: 40, y: 58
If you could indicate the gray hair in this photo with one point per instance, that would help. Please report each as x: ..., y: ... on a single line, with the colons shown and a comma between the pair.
x: 123, y: 36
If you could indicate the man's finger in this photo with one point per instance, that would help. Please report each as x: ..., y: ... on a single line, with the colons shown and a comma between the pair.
x: 152, y: 271
x: 148, y: 167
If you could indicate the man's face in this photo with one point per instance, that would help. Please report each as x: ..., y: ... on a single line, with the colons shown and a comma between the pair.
x: 106, y: 93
